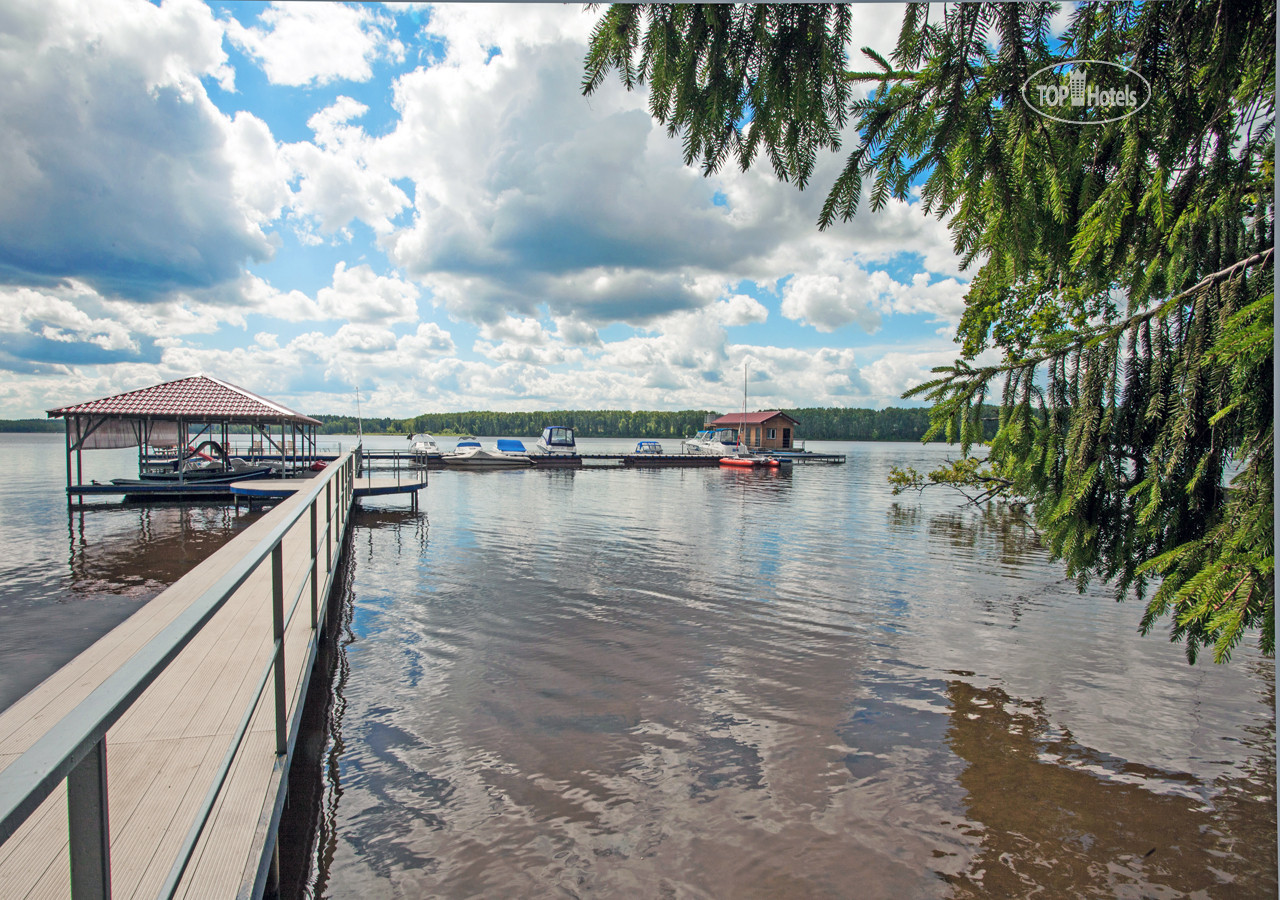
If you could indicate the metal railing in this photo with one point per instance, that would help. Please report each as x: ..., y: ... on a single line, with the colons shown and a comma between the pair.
x: 75, y: 747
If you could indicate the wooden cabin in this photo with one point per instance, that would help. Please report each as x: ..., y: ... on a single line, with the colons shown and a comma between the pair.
x: 767, y: 430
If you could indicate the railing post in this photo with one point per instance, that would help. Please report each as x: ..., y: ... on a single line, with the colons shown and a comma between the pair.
x: 277, y: 619
x: 87, y: 827
x: 328, y: 526
x: 315, y: 568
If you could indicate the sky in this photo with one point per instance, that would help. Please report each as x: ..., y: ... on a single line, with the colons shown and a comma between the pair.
x: 417, y: 202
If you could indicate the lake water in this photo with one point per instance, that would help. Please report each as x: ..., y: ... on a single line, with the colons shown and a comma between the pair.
x: 705, y: 683
x: 712, y: 683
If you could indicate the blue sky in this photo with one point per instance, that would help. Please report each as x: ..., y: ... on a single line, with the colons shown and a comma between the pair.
x: 416, y: 200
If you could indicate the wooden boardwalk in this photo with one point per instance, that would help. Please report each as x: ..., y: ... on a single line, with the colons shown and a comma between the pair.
x: 164, y: 752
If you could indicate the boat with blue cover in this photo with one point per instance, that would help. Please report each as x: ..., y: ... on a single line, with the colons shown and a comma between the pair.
x: 509, y: 453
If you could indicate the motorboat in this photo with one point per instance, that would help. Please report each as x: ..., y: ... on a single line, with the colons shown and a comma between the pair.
x: 508, y: 454
x: 556, y: 440
x: 465, y: 443
x: 648, y: 448
x: 207, y: 463
x: 712, y: 442
x: 512, y: 447
x: 423, y: 447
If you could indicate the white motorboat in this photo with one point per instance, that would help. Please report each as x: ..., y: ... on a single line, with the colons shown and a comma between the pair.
x: 423, y: 447
x: 712, y: 442
x: 509, y: 454
x: 556, y: 440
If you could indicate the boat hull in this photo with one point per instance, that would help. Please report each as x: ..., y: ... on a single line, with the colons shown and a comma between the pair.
x: 484, y: 460
x: 157, y: 479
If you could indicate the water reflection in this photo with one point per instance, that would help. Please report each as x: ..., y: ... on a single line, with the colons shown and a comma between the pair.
x: 1056, y: 819
x: 996, y: 524
x: 145, y: 548
x: 64, y: 584
x: 714, y: 684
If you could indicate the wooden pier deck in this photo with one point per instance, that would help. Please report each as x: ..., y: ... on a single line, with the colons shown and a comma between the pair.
x: 165, y: 750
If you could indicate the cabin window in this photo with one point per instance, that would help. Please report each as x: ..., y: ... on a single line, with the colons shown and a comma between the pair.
x: 773, y: 433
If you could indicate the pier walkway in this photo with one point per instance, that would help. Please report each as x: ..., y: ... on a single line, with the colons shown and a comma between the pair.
x: 155, y: 764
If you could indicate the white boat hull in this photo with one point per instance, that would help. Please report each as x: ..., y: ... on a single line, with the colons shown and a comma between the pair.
x: 484, y: 459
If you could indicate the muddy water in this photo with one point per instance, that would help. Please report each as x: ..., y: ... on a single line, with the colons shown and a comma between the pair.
x: 706, y: 683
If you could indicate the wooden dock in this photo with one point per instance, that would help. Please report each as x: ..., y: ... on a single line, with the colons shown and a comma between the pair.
x: 362, y: 486
x: 139, y: 730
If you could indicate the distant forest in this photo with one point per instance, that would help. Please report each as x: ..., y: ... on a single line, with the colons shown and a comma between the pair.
x: 30, y: 425
x: 817, y: 424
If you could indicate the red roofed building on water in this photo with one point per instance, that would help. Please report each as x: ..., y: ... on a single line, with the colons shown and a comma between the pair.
x: 766, y: 430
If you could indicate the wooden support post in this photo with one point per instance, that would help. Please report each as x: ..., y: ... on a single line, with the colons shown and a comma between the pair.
x: 87, y: 827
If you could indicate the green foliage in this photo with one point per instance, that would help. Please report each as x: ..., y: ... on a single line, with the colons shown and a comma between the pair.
x: 1124, y: 269
x: 713, y: 68
x: 979, y: 480
x: 32, y: 425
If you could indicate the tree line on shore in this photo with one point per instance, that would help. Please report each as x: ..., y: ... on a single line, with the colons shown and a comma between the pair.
x: 818, y: 424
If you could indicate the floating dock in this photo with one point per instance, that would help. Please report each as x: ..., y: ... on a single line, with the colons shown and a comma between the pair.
x: 650, y: 460
x: 363, y: 486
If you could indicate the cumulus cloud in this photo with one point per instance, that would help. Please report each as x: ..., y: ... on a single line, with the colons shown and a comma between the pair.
x: 315, y: 43
x: 118, y: 169
x: 339, y: 177
x: 361, y: 295
x: 832, y: 298
x: 560, y: 239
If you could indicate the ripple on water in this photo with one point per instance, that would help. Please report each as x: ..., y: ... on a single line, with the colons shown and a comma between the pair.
x: 707, y: 684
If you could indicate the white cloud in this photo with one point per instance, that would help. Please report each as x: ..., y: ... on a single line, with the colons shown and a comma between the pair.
x: 60, y: 318
x: 829, y: 301
x: 340, y: 178
x: 315, y: 43
x: 518, y: 329
x: 118, y: 169
x: 845, y: 294
x: 429, y: 340
x: 132, y: 210
x: 360, y: 295
x: 740, y: 309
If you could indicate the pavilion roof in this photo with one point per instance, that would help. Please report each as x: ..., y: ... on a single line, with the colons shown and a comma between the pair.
x: 199, y: 397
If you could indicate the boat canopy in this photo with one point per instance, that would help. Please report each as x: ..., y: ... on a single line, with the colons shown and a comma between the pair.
x: 558, y: 436
x: 510, y: 445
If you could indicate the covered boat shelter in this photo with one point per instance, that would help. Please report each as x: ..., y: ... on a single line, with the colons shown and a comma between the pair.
x: 166, y: 419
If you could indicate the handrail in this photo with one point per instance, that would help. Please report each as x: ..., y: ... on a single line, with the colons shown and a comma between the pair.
x: 79, y: 736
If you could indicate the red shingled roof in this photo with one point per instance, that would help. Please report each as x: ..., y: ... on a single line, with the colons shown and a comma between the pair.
x: 197, y: 397
x: 728, y: 420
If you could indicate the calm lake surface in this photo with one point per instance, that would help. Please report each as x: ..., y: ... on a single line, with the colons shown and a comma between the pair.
x: 704, y: 683
x: 711, y: 683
